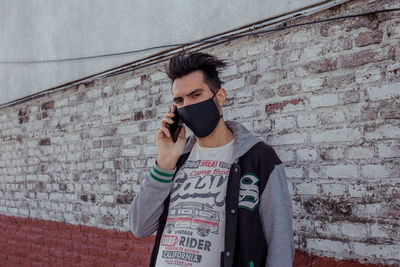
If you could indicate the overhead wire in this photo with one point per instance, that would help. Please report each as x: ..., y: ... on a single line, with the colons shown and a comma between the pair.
x: 229, y: 38
x: 163, y: 56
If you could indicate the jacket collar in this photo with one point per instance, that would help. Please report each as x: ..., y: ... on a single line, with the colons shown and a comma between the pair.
x: 244, y: 140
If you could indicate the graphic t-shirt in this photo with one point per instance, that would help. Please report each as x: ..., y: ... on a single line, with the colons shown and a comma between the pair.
x: 195, y: 229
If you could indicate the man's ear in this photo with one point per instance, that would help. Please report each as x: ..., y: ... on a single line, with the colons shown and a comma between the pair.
x: 221, y: 97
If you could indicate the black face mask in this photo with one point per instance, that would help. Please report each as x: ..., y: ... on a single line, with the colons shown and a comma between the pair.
x: 202, y: 118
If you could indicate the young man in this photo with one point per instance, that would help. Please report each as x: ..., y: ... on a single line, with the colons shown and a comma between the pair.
x: 220, y: 197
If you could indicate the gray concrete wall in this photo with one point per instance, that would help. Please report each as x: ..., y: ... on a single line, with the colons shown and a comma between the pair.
x: 47, y: 30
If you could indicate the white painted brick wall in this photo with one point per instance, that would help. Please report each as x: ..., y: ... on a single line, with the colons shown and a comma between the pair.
x: 328, y: 106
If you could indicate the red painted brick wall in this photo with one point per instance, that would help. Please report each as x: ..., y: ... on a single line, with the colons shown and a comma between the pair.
x: 32, y: 242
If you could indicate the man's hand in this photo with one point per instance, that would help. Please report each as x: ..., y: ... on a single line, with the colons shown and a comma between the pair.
x: 168, y: 151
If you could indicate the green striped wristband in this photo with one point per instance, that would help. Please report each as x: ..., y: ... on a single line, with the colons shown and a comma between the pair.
x: 161, y: 176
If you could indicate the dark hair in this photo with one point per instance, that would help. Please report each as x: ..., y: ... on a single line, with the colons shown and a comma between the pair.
x: 186, y: 63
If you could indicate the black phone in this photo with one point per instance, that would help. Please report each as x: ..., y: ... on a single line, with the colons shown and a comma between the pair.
x: 176, y: 127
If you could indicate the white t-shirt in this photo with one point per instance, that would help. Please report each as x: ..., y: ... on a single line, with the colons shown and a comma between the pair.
x: 195, y: 229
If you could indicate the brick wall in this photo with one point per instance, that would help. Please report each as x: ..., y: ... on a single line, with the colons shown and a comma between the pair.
x: 325, y: 96
x: 33, y: 242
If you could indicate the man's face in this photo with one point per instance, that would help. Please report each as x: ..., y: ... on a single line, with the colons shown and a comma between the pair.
x: 190, y: 89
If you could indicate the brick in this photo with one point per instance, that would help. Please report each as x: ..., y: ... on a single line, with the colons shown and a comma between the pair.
x: 375, y: 171
x: 44, y: 142
x: 388, y: 150
x: 288, y: 89
x: 324, y: 262
x: 312, y: 83
x: 88, y: 261
x: 307, y: 154
x: 306, y: 188
x: 255, y: 49
x: 393, y: 30
x: 307, y: 120
x: 130, y: 152
x: 366, y: 56
x: 241, y: 113
x: 115, y: 244
x: 389, y: 109
x: 47, y: 105
x: 369, y: 210
x: 326, y: 100
x: 243, y: 97
x: 321, y: 66
x: 158, y: 76
x: 355, y: 230
x: 327, y: 245
x: 327, y: 228
x: 278, y: 106
x: 361, y: 190
x: 386, y: 131
x: 131, y: 83
x: 246, y: 67
x: 379, y: 251
x: 342, y: 171
x: 301, y: 259
x: 382, y: 92
x: 231, y: 70
x: 381, y: 231
x: 284, y: 123
x: 262, y: 125
x: 234, y: 84
x: 360, y: 153
x: 294, y: 172
x: 332, y: 153
x: 291, y: 138
x: 333, y: 189
x: 291, y: 56
x: 273, y: 76
x: 368, y: 38
x: 337, y: 135
x: 332, y: 116
x: 285, y: 154
x: 371, y: 74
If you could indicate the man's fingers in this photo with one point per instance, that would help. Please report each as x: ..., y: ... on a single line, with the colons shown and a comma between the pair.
x: 165, y: 131
x: 183, y: 132
x: 166, y: 121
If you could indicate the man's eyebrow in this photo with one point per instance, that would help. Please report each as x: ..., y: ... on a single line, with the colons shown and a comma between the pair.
x: 195, y: 91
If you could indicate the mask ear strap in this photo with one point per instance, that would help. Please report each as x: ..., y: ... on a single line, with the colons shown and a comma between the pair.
x: 213, y: 97
x: 215, y: 93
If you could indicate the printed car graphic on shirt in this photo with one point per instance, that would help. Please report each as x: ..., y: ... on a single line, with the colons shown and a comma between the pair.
x: 193, y: 215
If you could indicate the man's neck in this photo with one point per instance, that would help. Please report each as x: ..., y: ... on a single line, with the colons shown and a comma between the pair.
x: 219, y: 137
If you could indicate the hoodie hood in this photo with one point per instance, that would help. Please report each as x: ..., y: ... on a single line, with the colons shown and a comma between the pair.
x: 244, y: 140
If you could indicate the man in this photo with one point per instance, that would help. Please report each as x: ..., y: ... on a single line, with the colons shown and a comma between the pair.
x: 220, y: 197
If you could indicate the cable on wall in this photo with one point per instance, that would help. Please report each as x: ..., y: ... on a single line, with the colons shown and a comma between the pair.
x: 204, y: 41
x: 178, y: 47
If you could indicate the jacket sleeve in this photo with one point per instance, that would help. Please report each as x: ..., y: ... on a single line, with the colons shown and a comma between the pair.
x: 277, y: 218
x: 148, y: 204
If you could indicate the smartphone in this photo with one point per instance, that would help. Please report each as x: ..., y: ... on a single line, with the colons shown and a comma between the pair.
x: 176, y: 127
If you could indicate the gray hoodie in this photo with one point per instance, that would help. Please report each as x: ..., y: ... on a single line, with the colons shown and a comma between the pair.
x: 275, y: 207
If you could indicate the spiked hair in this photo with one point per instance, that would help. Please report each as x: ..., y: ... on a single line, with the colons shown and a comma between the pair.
x: 186, y: 63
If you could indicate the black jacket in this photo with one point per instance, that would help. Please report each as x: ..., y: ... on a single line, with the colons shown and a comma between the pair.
x: 258, y: 207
